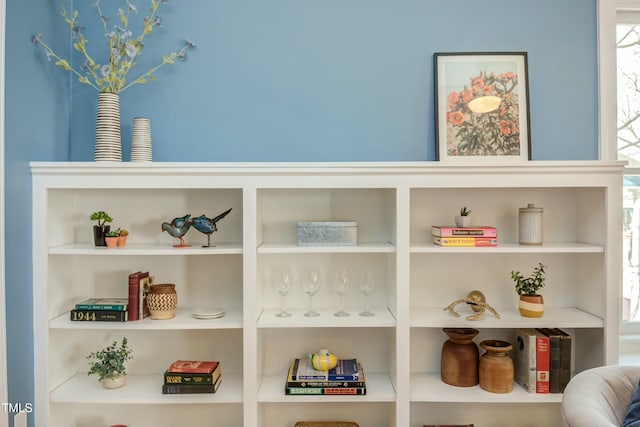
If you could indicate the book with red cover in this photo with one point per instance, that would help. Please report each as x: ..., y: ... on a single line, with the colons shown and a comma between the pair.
x: 451, y: 231
x: 134, y: 296
x: 193, y: 366
x: 543, y: 362
x: 554, y: 359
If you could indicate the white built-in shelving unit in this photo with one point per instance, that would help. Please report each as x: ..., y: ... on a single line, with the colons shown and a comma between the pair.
x: 395, y: 205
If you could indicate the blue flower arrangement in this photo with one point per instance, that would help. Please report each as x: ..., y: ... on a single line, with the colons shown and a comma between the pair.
x: 123, y: 48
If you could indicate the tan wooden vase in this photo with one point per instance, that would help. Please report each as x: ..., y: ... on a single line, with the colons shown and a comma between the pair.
x: 531, y: 305
x: 459, y: 360
x: 496, y: 367
x: 162, y: 300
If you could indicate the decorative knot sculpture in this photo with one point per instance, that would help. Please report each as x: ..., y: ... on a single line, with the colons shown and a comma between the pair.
x: 478, y: 303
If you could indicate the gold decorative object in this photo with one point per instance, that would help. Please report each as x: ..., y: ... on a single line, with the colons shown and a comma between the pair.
x: 478, y: 303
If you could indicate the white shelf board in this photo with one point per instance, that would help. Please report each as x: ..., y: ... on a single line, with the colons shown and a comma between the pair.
x: 293, y: 248
x: 145, y: 249
x: 183, y: 320
x: 382, y: 319
x: 556, y: 247
x: 141, y: 389
x: 379, y: 389
x: 430, y: 388
x: 567, y: 317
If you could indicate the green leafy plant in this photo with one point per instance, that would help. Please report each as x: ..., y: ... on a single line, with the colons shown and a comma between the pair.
x: 464, y: 211
x: 102, y: 217
x: 530, y: 285
x: 112, y: 233
x: 110, y: 361
x: 122, y: 46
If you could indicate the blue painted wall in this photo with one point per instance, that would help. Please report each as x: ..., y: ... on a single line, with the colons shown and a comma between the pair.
x: 283, y: 80
x: 290, y: 80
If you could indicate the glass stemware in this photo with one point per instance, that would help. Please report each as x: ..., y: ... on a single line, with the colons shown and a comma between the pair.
x: 282, y: 283
x: 311, y: 284
x: 341, y: 286
x: 367, y: 284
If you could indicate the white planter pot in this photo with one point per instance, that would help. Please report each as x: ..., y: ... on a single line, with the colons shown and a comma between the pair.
x: 463, y: 221
x: 116, y: 382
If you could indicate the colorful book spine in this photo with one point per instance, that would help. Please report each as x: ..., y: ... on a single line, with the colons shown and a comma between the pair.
x: 76, y: 315
x: 525, y: 359
x: 325, y: 390
x: 134, y: 296
x: 465, y: 241
x: 543, y: 350
x: 345, y: 370
x: 331, y: 384
x: 193, y: 366
x: 565, y: 358
x: 103, y: 304
x: 183, y: 378
x: 554, y: 359
x: 191, y: 388
x: 447, y: 231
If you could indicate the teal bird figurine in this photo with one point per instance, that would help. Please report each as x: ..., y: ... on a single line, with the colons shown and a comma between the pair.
x: 208, y: 225
x: 178, y: 228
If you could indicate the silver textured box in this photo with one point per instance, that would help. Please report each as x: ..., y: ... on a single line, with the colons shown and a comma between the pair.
x: 313, y: 233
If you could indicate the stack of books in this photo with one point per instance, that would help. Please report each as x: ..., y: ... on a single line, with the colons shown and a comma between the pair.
x: 192, y: 376
x: 444, y: 235
x: 347, y: 378
x: 542, y: 359
x: 100, y: 310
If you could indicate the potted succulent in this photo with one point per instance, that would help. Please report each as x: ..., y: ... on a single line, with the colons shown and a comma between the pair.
x: 101, y: 227
x: 531, y: 303
x: 111, y: 238
x: 464, y: 219
x: 109, y: 364
x: 122, y: 238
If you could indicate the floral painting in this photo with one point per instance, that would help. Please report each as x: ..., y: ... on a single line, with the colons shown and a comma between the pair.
x: 482, y: 107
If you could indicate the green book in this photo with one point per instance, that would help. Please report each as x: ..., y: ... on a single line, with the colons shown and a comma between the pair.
x: 115, y: 304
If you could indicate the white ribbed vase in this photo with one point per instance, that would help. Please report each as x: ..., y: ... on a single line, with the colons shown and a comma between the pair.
x: 108, y: 141
x: 530, y: 225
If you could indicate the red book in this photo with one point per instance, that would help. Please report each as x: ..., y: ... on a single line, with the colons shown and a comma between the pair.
x: 451, y: 231
x: 543, y: 363
x: 193, y: 366
x: 133, y: 305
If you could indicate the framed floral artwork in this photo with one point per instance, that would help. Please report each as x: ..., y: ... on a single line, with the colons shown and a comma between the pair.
x: 482, y: 107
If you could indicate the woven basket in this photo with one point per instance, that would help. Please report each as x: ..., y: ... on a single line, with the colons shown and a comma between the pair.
x: 162, y: 300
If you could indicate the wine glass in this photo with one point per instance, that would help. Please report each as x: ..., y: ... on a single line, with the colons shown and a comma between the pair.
x: 367, y: 284
x: 341, y: 286
x: 311, y: 284
x: 282, y: 283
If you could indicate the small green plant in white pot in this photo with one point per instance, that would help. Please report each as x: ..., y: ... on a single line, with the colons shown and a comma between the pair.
x: 464, y: 219
x: 109, y: 364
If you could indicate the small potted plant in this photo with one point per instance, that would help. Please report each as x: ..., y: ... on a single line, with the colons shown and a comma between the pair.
x: 111, y: 238
x: 122, y: 238
x: 531, y: 303
x: 109, y: 364
x: 464, y: 219
x: 101, y: 228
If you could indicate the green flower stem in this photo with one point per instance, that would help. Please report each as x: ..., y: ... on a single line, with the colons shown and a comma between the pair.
x: 62, y: 63
x: 167, y: 59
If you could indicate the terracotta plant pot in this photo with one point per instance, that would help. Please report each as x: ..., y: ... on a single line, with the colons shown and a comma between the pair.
x: 122, y: 241
x: 111, y: 242
x: 531, y: 305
